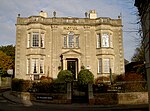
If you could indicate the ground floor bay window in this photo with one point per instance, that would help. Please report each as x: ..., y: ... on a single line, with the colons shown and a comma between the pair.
x: 105, y: 65
x: 35, y: 67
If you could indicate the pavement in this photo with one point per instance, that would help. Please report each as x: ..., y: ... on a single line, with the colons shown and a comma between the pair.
x: 7, y: 95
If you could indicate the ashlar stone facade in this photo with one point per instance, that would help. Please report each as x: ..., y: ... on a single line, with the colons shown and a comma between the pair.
x: 44, y: 45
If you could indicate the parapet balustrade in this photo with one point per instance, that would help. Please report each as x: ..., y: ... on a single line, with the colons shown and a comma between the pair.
x: 67, y: 20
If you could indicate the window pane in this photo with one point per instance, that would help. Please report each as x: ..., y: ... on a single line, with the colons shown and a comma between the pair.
x: 106, y: 65
x: 41, y: 66
x: 35, y: 65
x: 28, y: 40
x: 35, y: 40
x: 65, y: 42
x: 71, y: 40
x: 77, y: 41
x: 98, y: 41
x: 105, y: 40
x: 111, y: 42
x: 42, y: 40
x: 100, y: 65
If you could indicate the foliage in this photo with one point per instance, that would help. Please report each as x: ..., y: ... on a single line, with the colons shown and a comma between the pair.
x: 42, y: 86
x: 65, y: 76
x: 82, y: 67
x: 49, y: 87
x: 49, y: 79
x: 133, y: 77
x: 85, y: 77
x: 5, y: 62
x: 139, y: 57
x: 101, y: 79
x: 132, y: 82
x: 9, y: 50
x: 20, y: 85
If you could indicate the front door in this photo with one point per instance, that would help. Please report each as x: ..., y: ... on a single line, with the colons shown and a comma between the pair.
x: 72, y: 66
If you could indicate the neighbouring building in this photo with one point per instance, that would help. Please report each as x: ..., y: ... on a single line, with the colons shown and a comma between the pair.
x: 44, y: 45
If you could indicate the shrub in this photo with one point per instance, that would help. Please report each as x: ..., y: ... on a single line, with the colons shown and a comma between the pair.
x: 132, y: 82
x: 20, y: 85
x: 65, y: 76
x: 48, y: 87
x: 100, y: 80
x: 120, y: 78
x: 42, y: 86
x: 43, y: 78
x: 85, y: 77
x: 133, y: 77
x: 49, y: 79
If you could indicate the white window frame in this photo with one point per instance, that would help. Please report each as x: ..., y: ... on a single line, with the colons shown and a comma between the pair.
x: 34, y: 65
x: 32, y: 62
x: 28, y: 40
x: 41, y: 66
x: 98, y: 40
x: 105, y: 40
x: 71, y: 41
x: 42, y: 40
x: 100, y: 66
x: 35, y: 39
x: 111, y: 40
x: 65, y: 41
x: 77, y: 42
x: 28, y: 66
x: 106, y: 65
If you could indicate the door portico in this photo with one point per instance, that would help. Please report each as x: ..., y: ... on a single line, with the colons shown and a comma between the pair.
x: 71, y: 60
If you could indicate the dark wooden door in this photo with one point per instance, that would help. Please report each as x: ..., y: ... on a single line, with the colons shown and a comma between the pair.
x: 71, y: 66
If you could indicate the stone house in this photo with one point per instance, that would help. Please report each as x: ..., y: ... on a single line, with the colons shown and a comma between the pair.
x: 46, y: 44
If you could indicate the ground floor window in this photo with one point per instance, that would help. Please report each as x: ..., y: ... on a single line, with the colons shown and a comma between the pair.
x: 104, y: 66
x: 35, y: 66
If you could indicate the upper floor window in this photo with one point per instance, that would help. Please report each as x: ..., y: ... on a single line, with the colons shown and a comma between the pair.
x: 42, y: 40
x: 98, y: 41
x: 35, y: 39
x: 104, y: 40
x: 71, y: 41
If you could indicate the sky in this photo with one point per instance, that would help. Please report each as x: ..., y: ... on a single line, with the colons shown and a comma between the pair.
x: 9, y: 10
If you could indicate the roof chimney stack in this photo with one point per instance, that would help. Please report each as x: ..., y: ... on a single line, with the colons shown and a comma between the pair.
x: 43, y: 14
x: 92, y: 14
